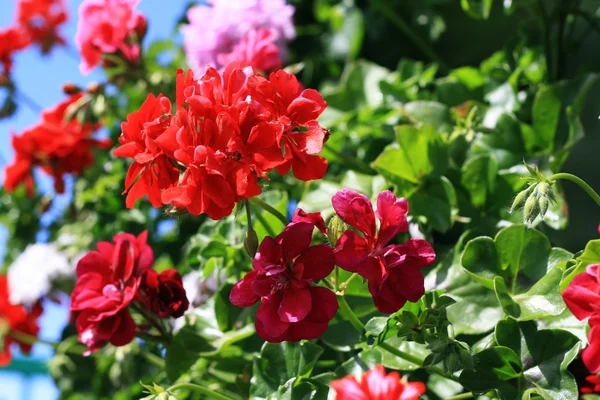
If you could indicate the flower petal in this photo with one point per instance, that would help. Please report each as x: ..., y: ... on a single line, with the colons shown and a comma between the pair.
x: 295, y: 305
x: 391, y: 211
x: 356, y: 210
x: 317, y: 262
x: 269, y: 320
x: 242, y: 294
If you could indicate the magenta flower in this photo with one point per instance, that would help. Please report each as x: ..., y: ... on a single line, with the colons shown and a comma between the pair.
x: 250, y: 31
x: 393, y: 271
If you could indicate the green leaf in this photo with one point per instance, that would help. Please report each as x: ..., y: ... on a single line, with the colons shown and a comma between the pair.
x: 479, y: 178
x: 360, y: 363
x: 494, y: 368
x: 435, y: 200
x: 430, y: 112
x: 476, y: 310
x: 184, y: 350
x: 280, y: 362
x: 225, y: 312
x: 505, y: 299
x: 392, y: 361
x: 546, y: 114
x: 545, y: 355
x: 419, y: 152
x: 478, y: 9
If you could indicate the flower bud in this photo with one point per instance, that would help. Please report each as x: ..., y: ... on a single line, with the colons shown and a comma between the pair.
x: 530, y: 212
x: 452, y: 362
x: 337, y: 227
x: 141, y: 27
x: 71, y: 88
x: 251, y: 242
x: 520, y: 199
x: 542, y: 189
x: 543, y: 204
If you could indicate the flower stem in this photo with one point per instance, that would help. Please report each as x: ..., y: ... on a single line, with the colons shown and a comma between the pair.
x: 462, y: 396
x: 399, y: 353
x: 570, y: 177
x: 28, y: 339
x: 349, y: 315
x: 344, y: 285
x: 421, y: 43
x: 270, y: 209
x: 153, y: 321
x: 199, y: 389
x: 154, y: 359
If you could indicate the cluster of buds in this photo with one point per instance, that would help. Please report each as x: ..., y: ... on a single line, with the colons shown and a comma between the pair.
x: 536, y: 198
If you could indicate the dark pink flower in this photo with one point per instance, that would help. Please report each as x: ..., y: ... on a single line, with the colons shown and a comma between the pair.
x: 292, y: 307
x: 163, y: 293
x: 393, y: 270
x: 376, y: 385
x: 258, y: 48
x: 107, y: 282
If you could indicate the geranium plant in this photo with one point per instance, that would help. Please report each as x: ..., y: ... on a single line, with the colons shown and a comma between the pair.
x: 284, y: 204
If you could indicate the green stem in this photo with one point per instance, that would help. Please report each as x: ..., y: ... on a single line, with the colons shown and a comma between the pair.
x: 399, y: 353
x: 353, y: 163
x: 570, y: 177
x: 265, y: 223
x: 30, y: 339
x: 425, y: 47
x: 349, y: 315
x: 462, y: 396
x: 199, y: 389
x: 270, y: 209
x: 344, y: 285
x: 153, y: 321
x: 154, y: 359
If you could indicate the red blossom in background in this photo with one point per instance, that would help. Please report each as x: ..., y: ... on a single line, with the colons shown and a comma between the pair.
x: 582, y: 297
x: 58, y: 145
x: 40, y: 19
x: 106, y: 27
x: 258, y: 48
x: 376, y: 385
x: 393, y: 270
x: 593, y: 385
x: 163, y: 293
x: 291, y: 308
x: 14, y: 317
x: 12, y: 40
x: 209, y: 150
x: 107, y: 282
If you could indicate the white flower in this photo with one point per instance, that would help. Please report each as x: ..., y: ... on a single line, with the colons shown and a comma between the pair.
x: 30, y: 276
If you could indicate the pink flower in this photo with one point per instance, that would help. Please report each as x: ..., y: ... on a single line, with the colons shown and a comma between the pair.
x: 252, y: 31
x: 107, y: 282
x: 376, y: 385
x: 292, y: 308
x: 393, y: 270
x: 105, y: 27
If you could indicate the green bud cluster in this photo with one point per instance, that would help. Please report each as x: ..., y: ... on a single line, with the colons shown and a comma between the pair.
x: 336, y: 229
x: 536, y: 198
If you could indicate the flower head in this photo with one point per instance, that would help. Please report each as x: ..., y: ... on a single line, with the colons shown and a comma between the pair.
x: 164, y: 293
x: 41, y: 19
x: 393, y: 270
x: 12, y: 40
x: 376, y: 385
x: 254, y: 32
x: 59, y: 144
x: 292, y: 308
x: 105, y: 27
x: 16, y: 318
x: 31, y: 275
x: 107, y: 282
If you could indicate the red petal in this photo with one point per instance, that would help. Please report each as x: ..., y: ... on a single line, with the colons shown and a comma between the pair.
x: 351, y: 251
x: 325, y: 304
x: 242, y: 294
x: 591, y: 354
x: 317, y: 262
x: 581, y: 296
x: 269, y: 320
x: 391, y: 211
x: 125, y: 331
x: 295, y: 239
x: 295, y: 304
x: 355, y: 209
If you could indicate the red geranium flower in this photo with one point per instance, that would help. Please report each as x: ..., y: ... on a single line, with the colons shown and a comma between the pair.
x: 58, y: 145
x: 282, y: 101
x: 152, y: 171
x: 14, y: 317
x: 163, y: 293
x: 582, y: 296
x: 376, y: 385
x: 292, y: 308
x: 393, y: 271
x: 41, y: 19
x: 257, y: 49
x: 11, y: 40
x: 107, y: 282
x: 594, y: 385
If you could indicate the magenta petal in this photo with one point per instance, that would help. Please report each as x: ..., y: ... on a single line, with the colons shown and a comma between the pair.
x: 355, y: 209
x: 269, y: 320
x: 295, y: 305
x: 391, y: 211
x: 242, y: 294
x: 591, y: 354
x: 95, y: 262
x: 125, y: 331
x: 414, y: 252
x: 269, y: 253
x: 306, y: 330
x: 294, y: 239
x: 325, y: 305
x: 351, y: 250
x: 316, y: 261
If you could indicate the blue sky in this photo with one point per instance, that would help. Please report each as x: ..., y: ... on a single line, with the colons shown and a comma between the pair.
x: 41, y: 79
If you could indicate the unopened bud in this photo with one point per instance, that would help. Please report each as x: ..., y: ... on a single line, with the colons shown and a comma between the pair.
x: 251, y: 242
x: 141, y: 27
x: 466, y: 359
x: 543, y: 204
x: 452, y: 362
x: 71, y: 89
x: 94, y: 88
x: 520, y: 199
x: 542, y: 189
x: 337, y: 227
x: 530, y: 212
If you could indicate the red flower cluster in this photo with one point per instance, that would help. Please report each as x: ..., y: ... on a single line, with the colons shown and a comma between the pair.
x: 110, y: 279
x: 376, y: 385
x: 37, y: 22
x: 292, y: 308
x: 59, y: 144
x: 15, y: 318
x: 593, y: 386
x: 225, y: 132
x: 582, y: 296
x: 393, y: 271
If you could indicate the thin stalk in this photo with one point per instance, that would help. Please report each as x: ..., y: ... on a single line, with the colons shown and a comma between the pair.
x: 154, y: 359
x: 199, y: 389
x: 153, y: 321
x: 582, y: 184
x: 349, y: 315
x: 265, y: 223
x: 270, y: 209
x: 28, y: 339
x: 421, y: 43
x: 462, y: 396
x: 344, y: 285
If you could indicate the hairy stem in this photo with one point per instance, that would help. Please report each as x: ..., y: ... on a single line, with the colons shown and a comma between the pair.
x: 199, y: 389
x: 570, y: 177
